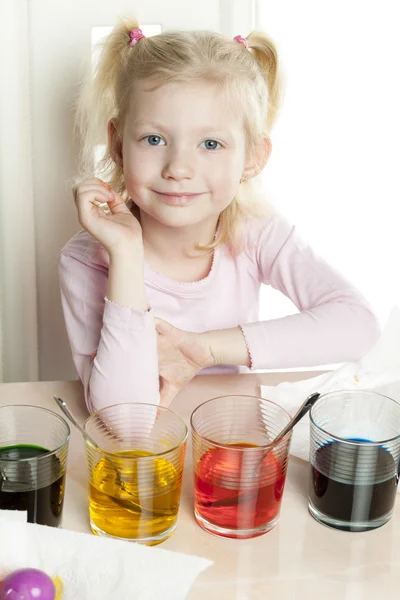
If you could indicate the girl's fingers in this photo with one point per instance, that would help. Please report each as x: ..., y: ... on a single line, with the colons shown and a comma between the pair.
x: 161, y: 326
x: 167, y: 392
x: 93, y: 195
x: 163, y: 343
x: 96, y: 184
x: 98, y: 208
x: 93, y: 189
x: 115, y: 203
x: 88, y: 207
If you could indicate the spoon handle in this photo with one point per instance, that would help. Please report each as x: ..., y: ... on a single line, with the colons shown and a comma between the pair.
x: 63, y: 405
x: 67, y: 413
x: 304, y: 408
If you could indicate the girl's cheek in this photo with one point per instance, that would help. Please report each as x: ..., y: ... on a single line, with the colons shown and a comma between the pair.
x: 130, y: 184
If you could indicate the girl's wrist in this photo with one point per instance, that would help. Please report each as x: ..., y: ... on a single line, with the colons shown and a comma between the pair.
x: 227, y: 347
x: 127, y: 250
x: 126, y: 278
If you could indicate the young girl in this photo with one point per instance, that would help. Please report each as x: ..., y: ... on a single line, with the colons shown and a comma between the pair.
x: 165, y: 283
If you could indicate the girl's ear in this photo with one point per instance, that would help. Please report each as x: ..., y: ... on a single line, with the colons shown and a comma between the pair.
x: 114, y: 142
x: 258, y: 159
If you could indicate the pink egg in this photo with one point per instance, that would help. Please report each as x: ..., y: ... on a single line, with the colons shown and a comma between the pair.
x: 28, y: 584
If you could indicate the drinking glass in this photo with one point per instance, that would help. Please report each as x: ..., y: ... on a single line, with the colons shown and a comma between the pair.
x: 354, y: 459
x: 239, y: 477
x: 135, y: 480
x: 33, y: 460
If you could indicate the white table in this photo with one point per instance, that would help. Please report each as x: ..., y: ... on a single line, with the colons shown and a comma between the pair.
x: 298, y: 559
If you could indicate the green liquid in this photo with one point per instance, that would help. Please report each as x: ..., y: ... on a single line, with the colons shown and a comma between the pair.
x: 35, y: 486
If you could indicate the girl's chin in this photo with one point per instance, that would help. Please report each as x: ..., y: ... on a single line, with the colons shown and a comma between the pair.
x: 173, y: 217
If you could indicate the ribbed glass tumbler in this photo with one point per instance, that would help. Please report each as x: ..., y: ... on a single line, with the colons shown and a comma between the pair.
x: 354, y: 459
x: 239, y: 476
x: 135, y: 480
x: 33, y: 462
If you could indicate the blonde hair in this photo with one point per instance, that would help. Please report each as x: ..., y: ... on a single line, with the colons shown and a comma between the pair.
x: 250, y: 76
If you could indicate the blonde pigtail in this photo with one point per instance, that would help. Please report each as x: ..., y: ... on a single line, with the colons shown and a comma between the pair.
x: 99, y: 101
x: 264, y: 51
x: 245, y: 204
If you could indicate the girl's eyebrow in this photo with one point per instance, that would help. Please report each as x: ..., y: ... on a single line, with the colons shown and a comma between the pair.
x: 151, y: 124
x: 207, y: 129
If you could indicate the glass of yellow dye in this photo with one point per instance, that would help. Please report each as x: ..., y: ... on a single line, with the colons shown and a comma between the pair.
x: 135, y: 480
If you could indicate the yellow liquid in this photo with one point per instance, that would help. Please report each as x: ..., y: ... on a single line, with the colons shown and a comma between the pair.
x: 145, y: 507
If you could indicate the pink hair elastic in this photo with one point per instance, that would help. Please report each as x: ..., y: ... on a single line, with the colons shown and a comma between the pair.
x: 241, y: 40
x: 135, y: 36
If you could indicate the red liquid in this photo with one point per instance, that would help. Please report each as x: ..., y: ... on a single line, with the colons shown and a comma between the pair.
x: 233, y: 492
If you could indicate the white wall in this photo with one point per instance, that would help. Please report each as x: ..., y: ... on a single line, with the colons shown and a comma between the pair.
x: 334, y: 169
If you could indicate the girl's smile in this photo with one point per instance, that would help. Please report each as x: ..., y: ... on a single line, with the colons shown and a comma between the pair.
x: 178, y: 199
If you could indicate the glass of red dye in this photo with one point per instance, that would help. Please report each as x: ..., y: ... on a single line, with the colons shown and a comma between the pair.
x: 239, y: 476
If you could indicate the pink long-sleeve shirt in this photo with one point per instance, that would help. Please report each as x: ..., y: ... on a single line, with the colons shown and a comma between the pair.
x: 114, y: 347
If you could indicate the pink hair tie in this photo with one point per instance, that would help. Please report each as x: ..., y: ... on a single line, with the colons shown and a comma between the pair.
x: 135, y: 36
x: 241, y: 40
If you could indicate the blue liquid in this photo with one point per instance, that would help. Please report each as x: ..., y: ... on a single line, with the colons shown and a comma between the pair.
x: 354, y: 484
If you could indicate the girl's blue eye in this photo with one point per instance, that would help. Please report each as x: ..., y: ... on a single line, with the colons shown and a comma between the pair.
x: 155, y: 140
x: 211, y: 145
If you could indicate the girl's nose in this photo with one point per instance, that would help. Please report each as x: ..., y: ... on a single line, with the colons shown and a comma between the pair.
x: 179, y: 165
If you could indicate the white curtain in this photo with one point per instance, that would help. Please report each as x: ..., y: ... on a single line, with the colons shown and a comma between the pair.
x: 18, y: 320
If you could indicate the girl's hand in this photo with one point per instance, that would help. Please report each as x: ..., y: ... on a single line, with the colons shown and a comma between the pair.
x: 113, y: 230
x: 181, y: 355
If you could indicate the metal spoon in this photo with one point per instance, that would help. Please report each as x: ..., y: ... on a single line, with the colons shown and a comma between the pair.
x: 303, y: 410
x: 131, y: 505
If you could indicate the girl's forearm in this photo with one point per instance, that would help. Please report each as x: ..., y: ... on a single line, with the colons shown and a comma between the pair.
x: 228, y: 347
x: 126, y: 278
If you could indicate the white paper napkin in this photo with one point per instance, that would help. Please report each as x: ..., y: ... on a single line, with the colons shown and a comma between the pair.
x: 94, y: 568
x: 378, y: 371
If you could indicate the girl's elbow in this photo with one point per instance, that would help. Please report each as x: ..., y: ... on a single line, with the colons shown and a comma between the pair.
x: 367, y: 333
